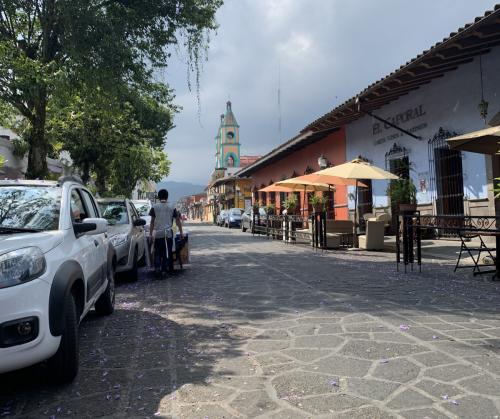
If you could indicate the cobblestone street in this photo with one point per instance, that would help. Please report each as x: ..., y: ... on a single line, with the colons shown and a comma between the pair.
x: 257, y: 328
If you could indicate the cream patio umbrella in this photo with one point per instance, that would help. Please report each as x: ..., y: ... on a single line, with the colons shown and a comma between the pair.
x: 484, y: 141
x: 357, y: 169
x: 316, y: 179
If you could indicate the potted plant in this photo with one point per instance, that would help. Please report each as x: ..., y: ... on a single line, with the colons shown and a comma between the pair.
x: 290, y: 204
x: 403, y: 194
x: 316, y: 202
x: 270, y: 209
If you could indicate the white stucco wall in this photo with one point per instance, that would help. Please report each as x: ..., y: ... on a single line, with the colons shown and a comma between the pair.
x: 450, y: 102
x: 17, y: 166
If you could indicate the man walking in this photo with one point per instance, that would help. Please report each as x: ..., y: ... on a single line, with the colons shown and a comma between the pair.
x: 162, y: 219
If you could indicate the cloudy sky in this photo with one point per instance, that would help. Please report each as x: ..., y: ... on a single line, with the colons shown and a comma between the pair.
x: 327, y: 50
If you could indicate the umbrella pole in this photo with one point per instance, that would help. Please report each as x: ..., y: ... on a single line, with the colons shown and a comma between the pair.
x: 355, y: 236
x: 304, y: 203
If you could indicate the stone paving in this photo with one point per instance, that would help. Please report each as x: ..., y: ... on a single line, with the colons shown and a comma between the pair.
x: 257, y: 328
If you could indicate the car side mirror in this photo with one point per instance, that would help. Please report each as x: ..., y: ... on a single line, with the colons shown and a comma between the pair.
x: 91, y: 226
x: 139, y: 222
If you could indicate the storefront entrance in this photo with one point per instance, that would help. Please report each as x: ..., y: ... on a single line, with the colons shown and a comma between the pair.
x: 446, y: 181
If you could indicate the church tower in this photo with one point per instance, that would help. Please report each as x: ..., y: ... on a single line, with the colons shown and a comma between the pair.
x: 228, y: 141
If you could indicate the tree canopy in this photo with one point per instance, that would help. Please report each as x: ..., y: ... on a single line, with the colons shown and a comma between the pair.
x: 97, y: 58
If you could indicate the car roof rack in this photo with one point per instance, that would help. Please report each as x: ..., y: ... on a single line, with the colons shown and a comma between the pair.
x: 72, y: 178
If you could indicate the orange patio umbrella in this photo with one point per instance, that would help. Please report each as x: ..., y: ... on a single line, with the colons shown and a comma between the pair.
x: 275, y: 188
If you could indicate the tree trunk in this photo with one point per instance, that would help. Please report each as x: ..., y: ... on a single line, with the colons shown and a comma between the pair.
x: 37, y: 156
x: 85, y: 173
x: 100, y: 182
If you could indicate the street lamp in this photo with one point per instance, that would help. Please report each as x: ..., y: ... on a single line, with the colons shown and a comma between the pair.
x: 322, y: 162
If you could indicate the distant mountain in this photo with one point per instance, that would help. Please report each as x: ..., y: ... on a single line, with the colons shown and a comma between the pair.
x: 177, y: 190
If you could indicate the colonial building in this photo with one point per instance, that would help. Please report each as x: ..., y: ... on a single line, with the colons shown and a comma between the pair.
x: 401, y: 123
x: 303, y: 154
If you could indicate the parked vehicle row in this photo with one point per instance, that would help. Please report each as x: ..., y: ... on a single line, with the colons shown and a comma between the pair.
x: 59, y: 251
x: 236, y: 217
x: 230, y: 218
x: 126, y: 232
x: 247, y: 218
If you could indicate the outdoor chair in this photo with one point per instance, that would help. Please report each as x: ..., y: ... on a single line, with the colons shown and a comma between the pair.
x: 368, y: 216
x: 386, y: 218
x: 338, y: 233
x: 374, y: 238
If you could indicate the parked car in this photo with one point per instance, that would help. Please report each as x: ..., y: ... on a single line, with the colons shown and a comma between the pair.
x: 233, y: 218
x: 247, y: 218
x: 126, y: 233
x: 143, y: 207
x: 56, y: 263
x: 221, y: 218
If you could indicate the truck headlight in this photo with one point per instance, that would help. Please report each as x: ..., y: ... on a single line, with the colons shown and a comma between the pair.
x: 119, y: 239
x: 20, y: 266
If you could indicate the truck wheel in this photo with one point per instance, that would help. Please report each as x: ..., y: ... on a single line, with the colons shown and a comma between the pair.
x: 64, y: 364
x: 105, y: 304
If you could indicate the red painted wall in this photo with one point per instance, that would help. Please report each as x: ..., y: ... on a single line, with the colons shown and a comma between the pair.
x: 332, y: 147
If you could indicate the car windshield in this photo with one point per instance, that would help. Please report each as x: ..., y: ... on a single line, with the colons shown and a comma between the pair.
x: 115, y: 212
x: 29, y: 207
x: 142, y: 208
x: 236, y: 211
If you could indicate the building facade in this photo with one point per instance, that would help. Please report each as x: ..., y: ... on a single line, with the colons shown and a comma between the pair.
x: 448, y: 182
x: 401, y: 123
x: 297, y: 157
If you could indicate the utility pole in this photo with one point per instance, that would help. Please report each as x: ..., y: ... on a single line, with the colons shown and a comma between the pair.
x: 279, y: 100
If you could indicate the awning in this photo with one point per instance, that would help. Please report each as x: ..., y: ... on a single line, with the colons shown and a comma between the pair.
x: 484, y: 141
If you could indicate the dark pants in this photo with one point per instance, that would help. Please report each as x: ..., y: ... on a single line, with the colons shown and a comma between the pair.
x: 161, y: 252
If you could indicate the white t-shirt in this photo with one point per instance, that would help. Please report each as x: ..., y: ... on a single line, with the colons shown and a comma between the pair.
x: 164, y: 219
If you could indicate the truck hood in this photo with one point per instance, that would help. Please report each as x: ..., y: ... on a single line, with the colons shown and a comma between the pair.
x: 45, y: 240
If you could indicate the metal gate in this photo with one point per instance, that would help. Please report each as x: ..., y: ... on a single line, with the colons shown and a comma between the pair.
x: 446, y: 176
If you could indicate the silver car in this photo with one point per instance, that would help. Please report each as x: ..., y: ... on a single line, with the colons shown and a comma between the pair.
x: 143, y: 206
x: 126, y: 233
x: 233, y: 217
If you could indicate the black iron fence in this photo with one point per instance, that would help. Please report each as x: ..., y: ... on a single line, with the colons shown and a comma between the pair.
x: 414, y: 227
x: 292, y: 228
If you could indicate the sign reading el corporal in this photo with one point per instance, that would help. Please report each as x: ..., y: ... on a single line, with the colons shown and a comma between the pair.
x: 412, y: 114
